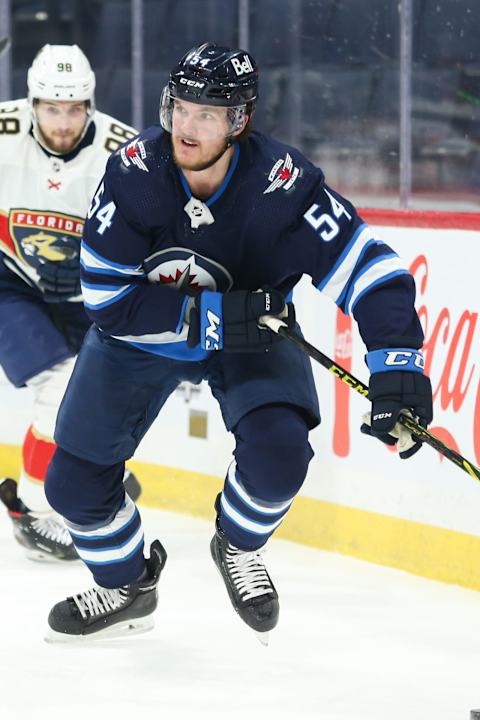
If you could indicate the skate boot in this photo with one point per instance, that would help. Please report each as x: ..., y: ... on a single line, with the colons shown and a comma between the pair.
x: 248, y: 583
x: 43, y: 535
x: 101, y: 612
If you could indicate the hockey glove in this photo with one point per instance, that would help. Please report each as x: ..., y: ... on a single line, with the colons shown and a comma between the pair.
x: 59, y: 280
x: 397, y: 384
x: 230, y: 321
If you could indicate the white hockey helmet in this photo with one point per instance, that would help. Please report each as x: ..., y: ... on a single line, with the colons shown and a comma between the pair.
x: 61, y: 72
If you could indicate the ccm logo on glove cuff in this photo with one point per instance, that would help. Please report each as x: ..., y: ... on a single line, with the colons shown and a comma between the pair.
x: 211, y: 325
x: 407, y: 359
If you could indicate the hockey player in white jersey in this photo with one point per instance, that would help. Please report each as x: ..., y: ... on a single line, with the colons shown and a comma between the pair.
x: 54, y: 146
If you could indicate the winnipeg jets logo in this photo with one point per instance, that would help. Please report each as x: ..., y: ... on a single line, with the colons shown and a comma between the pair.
x: 283, y: 174
x: 187, y: 271
x: 134, y: 153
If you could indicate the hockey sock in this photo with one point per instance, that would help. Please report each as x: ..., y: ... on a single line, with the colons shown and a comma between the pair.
x: 37, y: 452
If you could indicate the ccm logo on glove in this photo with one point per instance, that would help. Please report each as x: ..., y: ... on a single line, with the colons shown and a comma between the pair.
x: 396, y: 358
x: 230, y: 321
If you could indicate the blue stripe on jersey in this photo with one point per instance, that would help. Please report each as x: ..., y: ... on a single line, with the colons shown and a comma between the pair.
x: 94, y: 286
x: 106, y: 303
x: 380, y: 281
x: 111, y: 268
x: 368, y: 246
x: 342, y: 257
x: 109, y: 262
x: 223, y: 186
x: 228, y: 176
x: 362, y: 271
x: 182, y: 315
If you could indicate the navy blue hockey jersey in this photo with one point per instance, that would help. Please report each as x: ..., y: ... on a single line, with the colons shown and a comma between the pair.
x: 272, y: 220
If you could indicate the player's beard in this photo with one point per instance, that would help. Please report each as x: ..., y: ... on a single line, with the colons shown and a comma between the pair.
x: 203, y: 164
x: 60, y: 144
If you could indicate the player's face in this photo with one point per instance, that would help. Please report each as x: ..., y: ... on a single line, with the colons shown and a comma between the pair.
x: 61, y: 123
x: 199, y: 134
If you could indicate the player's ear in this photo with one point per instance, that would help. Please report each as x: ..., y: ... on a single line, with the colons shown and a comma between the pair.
x: 245, y: 120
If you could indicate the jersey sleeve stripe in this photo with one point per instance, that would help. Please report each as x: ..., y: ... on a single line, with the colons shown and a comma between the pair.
x: 364, y: 271
x: 93, y: 262
x: 380, y: 273
x: 335, y: 281
x: 97, y: 297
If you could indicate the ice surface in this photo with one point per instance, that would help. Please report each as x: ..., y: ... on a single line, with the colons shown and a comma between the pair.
x: 355, y: 642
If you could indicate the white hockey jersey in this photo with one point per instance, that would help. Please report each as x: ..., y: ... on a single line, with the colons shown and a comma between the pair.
x: 44, y: 199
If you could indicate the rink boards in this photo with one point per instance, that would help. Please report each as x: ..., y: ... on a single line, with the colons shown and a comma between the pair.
x: 422, y: 515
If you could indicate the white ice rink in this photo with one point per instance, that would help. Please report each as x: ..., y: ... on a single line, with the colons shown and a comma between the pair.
x: 355, y: 642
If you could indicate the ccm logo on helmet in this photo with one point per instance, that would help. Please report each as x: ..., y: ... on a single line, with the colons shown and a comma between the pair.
x: 192, y: 83
x: 242, y: 68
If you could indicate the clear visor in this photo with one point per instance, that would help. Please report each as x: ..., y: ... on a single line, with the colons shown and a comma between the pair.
x: 199, y: 122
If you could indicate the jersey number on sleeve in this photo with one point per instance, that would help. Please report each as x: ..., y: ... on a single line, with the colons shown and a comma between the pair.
x: 103, y: 214
x: 9, y: 125
x: 118, y: 135
x: 330, y: 227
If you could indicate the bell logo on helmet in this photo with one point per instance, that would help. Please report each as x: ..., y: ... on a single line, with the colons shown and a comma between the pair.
x: 242, y: 68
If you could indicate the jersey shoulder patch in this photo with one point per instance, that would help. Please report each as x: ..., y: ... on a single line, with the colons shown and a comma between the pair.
x: 138, y: 154
x: 285, y: 170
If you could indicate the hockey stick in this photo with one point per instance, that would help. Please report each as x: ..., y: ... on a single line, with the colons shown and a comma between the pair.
x: 279, y: 327
x: 4, y: 45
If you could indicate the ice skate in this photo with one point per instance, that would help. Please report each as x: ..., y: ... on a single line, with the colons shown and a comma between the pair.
x: 109, y: 613
x: 43, y: 535
x: 248, y: 584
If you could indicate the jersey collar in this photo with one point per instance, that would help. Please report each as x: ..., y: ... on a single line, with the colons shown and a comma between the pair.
x: 223, y: 186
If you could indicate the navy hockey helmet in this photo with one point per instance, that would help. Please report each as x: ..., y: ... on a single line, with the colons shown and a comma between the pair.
x: 211, y: 74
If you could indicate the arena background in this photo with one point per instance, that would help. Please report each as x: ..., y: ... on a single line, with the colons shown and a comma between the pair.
x: 385, y: 97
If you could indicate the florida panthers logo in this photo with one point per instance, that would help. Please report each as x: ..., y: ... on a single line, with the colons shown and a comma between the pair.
x: 187, y: 271
x: 39, y: 236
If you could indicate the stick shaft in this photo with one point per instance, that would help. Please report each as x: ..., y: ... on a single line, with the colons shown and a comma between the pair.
x: 281, y: 328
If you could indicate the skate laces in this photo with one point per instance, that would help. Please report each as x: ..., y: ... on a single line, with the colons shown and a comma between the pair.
x: 248, y: 572
x: 51, y: 529
x: 99, y: 601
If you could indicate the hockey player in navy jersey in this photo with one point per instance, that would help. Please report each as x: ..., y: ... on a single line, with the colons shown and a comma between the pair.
x: 54, y: 148
x: 198, y: 229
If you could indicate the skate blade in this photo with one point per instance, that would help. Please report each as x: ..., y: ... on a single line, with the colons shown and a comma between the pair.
x: 120, y: 630
x: 44, y: 557
x: 263, y: 637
